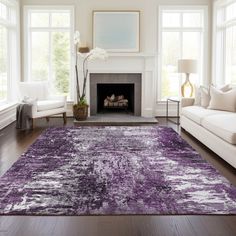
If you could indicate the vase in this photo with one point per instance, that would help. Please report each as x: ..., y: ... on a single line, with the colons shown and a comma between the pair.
x: 80, y: 112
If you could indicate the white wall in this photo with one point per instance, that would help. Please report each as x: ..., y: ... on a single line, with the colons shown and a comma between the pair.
x: 148, y: 8
x: 149, y: 17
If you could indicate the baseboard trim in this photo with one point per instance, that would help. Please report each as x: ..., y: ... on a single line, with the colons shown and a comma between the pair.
x: 7, y: 121
x: 7, y: 116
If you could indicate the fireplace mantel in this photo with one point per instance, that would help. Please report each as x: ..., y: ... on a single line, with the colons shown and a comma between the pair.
x: 143, y: 63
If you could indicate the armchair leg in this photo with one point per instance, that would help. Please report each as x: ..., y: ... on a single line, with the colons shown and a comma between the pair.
x: 47, y: 118
x: 33, y: 123
x: 64, y: 118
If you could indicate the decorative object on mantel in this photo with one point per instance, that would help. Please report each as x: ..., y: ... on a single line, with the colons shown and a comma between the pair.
x: 117, y: 31
x: 84, y: 49
x: 80, y: 110
x: 187, y: 66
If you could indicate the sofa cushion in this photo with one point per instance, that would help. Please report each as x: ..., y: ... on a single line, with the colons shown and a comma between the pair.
x: 222, y: 125
x: 197, y: 113
x: 49, y: 105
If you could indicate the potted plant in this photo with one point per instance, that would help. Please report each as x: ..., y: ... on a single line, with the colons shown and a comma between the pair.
x: 80, y: 110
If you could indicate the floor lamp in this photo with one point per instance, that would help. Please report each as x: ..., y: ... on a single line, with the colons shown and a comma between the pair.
x: 188, y: 67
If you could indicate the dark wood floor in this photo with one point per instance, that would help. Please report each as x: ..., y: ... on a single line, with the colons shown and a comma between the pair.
x: 13, y: 143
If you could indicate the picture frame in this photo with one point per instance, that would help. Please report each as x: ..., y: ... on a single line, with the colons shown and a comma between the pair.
x: 116, y: 31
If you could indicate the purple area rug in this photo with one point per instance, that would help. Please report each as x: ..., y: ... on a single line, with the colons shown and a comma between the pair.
x: 113, y: 170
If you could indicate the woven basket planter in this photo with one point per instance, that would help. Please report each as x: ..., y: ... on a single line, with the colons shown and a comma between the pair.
x: 80, y: 112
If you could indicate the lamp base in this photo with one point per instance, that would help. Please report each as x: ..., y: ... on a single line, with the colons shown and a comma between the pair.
x: 187, y: 88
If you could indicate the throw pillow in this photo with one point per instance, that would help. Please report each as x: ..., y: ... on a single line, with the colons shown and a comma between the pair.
x: 223, y: 88
x: 205, y: 96
x: 197, y: 100
x: 226, y: 88
x: 225, y: 101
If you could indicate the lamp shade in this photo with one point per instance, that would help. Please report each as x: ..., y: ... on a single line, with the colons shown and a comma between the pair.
x: 187, y: 66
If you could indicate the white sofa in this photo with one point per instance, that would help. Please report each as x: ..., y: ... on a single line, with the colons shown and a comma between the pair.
x: 215, y: 129
x: 44, y: 105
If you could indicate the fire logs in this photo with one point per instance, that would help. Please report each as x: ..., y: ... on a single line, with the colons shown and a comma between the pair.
x: 116, y: 102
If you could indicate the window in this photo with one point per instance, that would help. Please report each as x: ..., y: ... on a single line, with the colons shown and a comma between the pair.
x: 9, y: 63
x: 181, y: 36
x: 224, y: 57
x: 49, y: 47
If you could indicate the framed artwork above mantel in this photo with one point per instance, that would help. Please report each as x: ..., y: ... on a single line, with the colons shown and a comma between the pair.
x: 117, y: 31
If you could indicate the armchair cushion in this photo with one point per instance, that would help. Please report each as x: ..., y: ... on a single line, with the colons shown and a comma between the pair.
x: 58, y: 98
x: 43, y: 103
x: 222, y: 125
x: 49, y: 105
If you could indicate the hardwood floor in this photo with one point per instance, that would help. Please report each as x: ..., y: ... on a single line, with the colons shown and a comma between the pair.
x: 13, y: 143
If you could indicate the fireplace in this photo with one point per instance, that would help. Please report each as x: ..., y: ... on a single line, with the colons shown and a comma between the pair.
x: 115, y: 98
x: 116, y: 92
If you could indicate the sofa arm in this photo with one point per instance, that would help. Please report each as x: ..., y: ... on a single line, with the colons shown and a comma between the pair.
x: 186, y: 102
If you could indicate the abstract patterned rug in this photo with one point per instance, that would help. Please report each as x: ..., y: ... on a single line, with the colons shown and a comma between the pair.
x: 113, y: 170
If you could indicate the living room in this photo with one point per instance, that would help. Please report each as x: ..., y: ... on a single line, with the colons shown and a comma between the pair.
x: 117, y: 117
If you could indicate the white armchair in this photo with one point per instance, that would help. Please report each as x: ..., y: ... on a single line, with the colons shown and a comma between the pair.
x: 44, y: 105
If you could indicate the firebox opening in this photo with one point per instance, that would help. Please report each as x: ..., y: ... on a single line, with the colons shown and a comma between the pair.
x: 115, y: 98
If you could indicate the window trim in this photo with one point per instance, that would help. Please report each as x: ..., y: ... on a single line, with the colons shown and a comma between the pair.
x: 220, y: 4
x: 204, y: 30
x: 46, y: 8
x: 13, y: 51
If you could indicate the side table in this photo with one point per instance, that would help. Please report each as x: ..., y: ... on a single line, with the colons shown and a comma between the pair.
x: 173, y: 100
